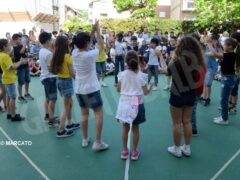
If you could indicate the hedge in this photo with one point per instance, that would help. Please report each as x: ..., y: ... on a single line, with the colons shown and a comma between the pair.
x: 125, y: 25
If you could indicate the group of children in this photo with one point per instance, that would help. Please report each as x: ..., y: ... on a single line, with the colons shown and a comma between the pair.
x: 189, y: 72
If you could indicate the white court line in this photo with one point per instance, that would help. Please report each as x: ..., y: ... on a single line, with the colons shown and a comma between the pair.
x: 225, y: 165
x: 126, y: 176
x: 26, y: 157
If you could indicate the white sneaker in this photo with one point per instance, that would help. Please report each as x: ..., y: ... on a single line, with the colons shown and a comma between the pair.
x: 154, y: 88
x: 186, y: 150
x: 85, y: 142
x: 166, y: 88
x: 175, y: 151
x: 104, y: 84
x: 220, y: 121
x: 100, y: 146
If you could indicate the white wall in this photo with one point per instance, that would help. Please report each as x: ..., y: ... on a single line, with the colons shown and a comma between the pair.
x: 15, y: 27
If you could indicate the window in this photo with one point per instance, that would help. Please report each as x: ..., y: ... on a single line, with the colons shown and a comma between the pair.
x: 188, y: 5
x: 162, y: 14
x: 103, y: 15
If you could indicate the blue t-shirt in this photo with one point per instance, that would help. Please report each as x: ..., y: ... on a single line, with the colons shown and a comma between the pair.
x: 211, y: 62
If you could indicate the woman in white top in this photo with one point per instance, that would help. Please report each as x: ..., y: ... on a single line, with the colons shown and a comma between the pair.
x: 87, y: 87
x: 132, y: 85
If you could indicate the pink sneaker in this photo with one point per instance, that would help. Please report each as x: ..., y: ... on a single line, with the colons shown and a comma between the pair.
x: 124, y: 154
x: 135, y: 155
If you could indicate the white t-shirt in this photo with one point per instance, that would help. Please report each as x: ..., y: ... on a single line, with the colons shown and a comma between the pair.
x: 112, y: 54
x: 140, y: 40
x: 132, y: 83
x: 153, y: 58
x: 119, y: 48
x: 110, y: 67
x: 45, y: 58
x: 86, y: 81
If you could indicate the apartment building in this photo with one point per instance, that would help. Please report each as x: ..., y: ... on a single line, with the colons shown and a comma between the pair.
x: 182, y: 9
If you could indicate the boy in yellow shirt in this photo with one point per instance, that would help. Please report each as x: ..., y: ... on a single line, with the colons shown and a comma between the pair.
x: 9, y: 78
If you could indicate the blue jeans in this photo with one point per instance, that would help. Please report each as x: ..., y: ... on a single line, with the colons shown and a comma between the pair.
x: 194, y: 114
x: 227, y: 84
x: 153, y: 71
x: 119, y: 60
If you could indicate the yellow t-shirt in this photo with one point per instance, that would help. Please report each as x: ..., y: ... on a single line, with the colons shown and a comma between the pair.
x: 8, y: 76
x: 65, y: 70
x: 102, y: 56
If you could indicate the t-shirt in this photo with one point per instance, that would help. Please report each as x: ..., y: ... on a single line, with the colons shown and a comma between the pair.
x: 8, y: 76
x: 170, y: 50
x: 153, y: 58
x: 86, y: 80
x: 18, y: 55
x: 119, y: 48
x: 132, y: 83
x: 133, y: 48
x: 210, y: 61
x: 228, y: 63
x: 65, y: 70
x: 187, y: 76
x: 102, y: 56
x: 45, y: 58
x: 110, y: 67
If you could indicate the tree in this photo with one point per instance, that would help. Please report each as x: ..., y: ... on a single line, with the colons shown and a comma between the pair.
x: 217, y: 15
x: 75, y: 23
x: 138, y: 8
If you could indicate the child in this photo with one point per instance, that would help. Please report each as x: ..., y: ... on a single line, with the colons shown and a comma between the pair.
x: 110, y: 68
x: 153, y: 63
x: 48, y: 79
x: 132, y: 84
x: 23, y: 71
x: 212, y: 68
x: 228, y: 61
x: 2, y: 93
x: 9, y: 78
x: 234, y: 94
x: 119, y: 55
x: 87, y: 87
x: 62, y: 66
x: 170, y: 50
x: 34, y: 68
x: 101, y: 65
x: 185, y: 69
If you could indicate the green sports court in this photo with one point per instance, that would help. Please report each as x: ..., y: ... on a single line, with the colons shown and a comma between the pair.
x: 215, y: 152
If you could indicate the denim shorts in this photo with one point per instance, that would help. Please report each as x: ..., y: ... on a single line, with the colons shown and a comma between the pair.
x: 50, y: 87
x: 23, y: 75
x: 182, y: 101
x: 0, y: 78
x: 11, y: 91
x: 65, y: 86
x: 235, y: 89
x: 92, y: 100
x: 101, y: 67
x: 209, y: 78
x: 141, y: 118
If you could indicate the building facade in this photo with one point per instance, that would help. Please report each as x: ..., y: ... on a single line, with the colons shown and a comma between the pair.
x: 182, y: 9
x: 101, y: 9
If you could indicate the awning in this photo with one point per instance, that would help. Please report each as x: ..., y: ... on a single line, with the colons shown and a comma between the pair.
x: 15, y: 16
x: 46, y: 18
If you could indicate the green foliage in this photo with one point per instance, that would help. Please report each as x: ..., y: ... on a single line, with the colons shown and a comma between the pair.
x: 138, y: 8
x: 217, y: 15
x: 125, y: 25
x: 74, y: 23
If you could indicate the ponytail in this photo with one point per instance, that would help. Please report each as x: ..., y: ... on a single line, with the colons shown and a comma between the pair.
x: 132, y: 60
